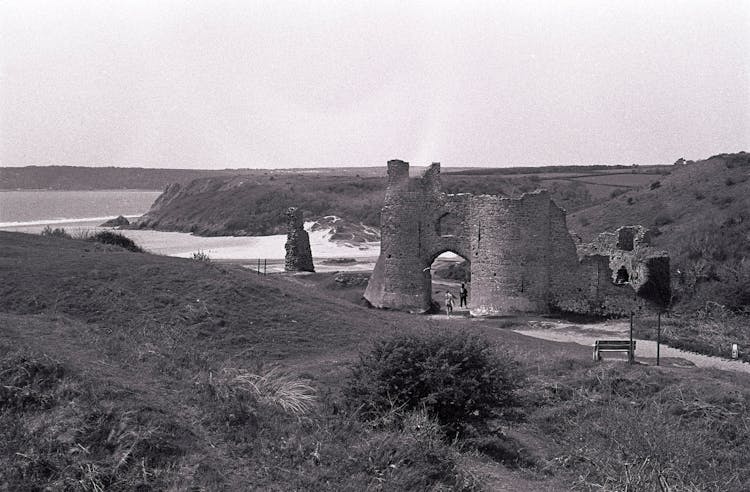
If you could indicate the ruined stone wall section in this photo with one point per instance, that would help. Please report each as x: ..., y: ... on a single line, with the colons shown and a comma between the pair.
x: 571, y: 282
x: 510, y: 253
x: 298, y: 254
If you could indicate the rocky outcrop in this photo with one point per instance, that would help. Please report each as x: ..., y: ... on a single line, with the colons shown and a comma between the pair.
x: 298, y: 255
x: 119, y: 221
x: 346, y: 232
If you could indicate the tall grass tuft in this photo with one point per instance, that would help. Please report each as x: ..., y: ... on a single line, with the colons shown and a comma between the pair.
x: 273, y: 386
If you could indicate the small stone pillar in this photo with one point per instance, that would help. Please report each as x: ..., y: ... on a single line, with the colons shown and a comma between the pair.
x: 298, y: 254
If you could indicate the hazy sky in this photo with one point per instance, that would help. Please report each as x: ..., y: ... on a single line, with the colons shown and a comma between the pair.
x: 209, y: 84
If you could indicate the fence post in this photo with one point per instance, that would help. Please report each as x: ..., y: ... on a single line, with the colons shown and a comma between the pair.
x: 631, y: 355
x: 658, y: 336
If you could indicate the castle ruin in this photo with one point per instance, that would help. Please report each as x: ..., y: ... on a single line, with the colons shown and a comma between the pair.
x: 522, y: 257
x: 298, y: 254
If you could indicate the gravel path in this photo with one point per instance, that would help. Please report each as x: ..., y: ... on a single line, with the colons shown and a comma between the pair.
x: 588, y: 334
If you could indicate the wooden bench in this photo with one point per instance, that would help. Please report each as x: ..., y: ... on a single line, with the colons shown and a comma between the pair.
x: 614, y: 346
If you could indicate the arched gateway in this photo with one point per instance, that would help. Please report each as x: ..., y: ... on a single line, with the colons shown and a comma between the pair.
x: 522, y: 256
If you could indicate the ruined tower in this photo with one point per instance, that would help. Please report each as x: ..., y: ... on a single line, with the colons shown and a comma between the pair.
x: 298, y: 255
x: 522, y: 257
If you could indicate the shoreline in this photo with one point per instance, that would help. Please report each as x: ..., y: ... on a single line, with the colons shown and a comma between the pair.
x: 242, y: 250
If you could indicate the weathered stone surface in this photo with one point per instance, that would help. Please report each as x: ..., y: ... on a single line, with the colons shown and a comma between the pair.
x: 298, y: 255
x: 522, y: 257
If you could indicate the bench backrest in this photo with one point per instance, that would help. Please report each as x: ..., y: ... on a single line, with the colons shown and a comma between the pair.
x: 614, y: 344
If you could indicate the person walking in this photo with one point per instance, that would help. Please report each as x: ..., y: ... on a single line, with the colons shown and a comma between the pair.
x: 462, y: 296
x: 448, y: 303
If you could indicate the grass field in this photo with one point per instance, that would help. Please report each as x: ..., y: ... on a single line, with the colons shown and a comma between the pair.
x: 123, y: 370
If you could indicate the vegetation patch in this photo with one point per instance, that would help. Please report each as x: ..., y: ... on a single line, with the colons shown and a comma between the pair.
x: 59, y: 433
x: 632, y: 428
x: 456, y: 378
x: 116, y: 239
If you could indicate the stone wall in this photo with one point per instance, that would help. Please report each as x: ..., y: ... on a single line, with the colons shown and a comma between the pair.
x: 522, y: 257
x: 298, y: 255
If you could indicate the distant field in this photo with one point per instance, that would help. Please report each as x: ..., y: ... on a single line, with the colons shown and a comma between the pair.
x: 601, y: 186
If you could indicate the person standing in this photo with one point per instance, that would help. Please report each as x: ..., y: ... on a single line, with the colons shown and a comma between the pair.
x: 462, y: 296
x: 448, y: 303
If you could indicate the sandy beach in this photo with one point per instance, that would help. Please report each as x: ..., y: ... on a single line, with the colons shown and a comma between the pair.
x: 245, y: 250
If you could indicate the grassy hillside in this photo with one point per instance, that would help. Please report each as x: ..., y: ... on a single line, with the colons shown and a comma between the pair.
x: 700, y: 213
x: 124, y: 371
x: 243, y: 205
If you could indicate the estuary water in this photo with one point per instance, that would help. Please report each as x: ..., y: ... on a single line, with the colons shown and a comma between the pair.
x: 30, y: 208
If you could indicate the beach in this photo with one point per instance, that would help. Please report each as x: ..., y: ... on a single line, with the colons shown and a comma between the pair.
x: 244, y: 250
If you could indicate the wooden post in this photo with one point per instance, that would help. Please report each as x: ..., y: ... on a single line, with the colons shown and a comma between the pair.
x: 658, y: 336
x: 258, y: 266
x: 631, y: 355
x: 265, y: 265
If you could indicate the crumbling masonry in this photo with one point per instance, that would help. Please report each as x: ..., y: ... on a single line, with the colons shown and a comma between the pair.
x: 298, y: 255
x: 523, y: 259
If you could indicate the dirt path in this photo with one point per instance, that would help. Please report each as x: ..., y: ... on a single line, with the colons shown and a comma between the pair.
x: 586, y: 335
x: 560, y: 331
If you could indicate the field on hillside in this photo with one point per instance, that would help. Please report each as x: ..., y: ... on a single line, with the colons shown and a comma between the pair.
x: 126, y: 370
x: 699, y: 214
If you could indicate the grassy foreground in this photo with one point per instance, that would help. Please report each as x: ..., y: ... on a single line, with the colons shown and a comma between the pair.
x: 122, y: 371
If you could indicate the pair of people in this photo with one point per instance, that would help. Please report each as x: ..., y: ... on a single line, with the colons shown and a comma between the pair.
x: 449, y: 299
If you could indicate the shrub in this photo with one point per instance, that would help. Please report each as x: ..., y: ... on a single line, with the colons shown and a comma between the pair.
x: 201, y: 256
x: 117, y: 239
x: 617, y: 192
x: 455, y: 378
x: 56, y: 232
x: 663, y: 219
x: 655, y: 185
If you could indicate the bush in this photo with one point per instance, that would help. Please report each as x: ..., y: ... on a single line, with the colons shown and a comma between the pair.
x: 108, y: 237
x: 455, y: 378
x: 663, y: 219
x: 201, y: 256
x: 617, y: 192
x: 56, y: 232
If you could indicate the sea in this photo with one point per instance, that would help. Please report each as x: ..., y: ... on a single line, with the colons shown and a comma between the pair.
x: 80, y: 211
x: 42, y: 207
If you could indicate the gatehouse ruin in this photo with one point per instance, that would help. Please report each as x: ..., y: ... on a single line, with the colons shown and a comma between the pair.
x: 522, y: 257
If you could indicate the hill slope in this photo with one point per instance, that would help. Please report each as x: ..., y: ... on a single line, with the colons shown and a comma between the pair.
x: 129, y: 371
x: 254, y: 205
x: 701, y: 216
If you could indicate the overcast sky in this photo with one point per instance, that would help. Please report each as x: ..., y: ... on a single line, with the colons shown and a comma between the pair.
x: 209, y: 84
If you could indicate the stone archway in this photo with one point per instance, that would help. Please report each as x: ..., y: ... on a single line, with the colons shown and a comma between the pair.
x: 449, y: 271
